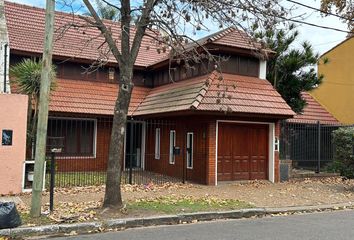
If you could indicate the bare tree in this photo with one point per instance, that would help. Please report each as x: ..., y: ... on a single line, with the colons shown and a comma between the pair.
x: 344, y: 9
x: 172, y: 25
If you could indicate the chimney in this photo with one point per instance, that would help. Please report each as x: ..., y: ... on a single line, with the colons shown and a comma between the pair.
x: 4, y: 52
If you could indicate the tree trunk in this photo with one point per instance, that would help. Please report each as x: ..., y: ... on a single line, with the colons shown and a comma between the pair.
x: 126, y: 59
x: 29, y: 123
x: 113, y: 197
x: 34, y: 127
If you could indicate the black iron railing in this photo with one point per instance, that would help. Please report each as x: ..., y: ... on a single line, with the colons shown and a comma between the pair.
x: 309, y: 145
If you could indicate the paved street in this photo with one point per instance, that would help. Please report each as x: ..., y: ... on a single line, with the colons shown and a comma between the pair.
x: 333, y: 225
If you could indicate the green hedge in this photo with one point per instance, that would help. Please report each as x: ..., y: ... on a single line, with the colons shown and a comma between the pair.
x: 343, y: 139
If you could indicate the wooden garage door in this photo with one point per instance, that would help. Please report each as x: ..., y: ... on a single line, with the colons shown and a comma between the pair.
x: 242, y: 151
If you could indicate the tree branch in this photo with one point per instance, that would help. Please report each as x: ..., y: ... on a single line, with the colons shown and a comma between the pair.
x: 125, y: 30
x: 141, y: 27
x: 106, y: 33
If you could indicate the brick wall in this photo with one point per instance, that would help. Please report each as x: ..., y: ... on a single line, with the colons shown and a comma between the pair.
x: 211, y: 153
x: 204, y: 156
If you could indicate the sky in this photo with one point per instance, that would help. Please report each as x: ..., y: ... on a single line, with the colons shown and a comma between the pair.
x: 321, y: 39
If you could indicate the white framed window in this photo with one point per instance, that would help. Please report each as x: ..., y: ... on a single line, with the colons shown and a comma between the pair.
x: 189, y: 151
x: 157, y: 143
x: 172, y: 146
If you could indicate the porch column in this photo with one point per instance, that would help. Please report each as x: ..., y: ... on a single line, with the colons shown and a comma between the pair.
x: 211, y: 153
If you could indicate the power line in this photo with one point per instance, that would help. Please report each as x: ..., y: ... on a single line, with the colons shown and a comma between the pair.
x: 319, y: 10
x: 302, y: 22
x: 311, y: 24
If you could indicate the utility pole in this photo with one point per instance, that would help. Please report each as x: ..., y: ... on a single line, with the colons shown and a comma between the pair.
x: 43, y: 110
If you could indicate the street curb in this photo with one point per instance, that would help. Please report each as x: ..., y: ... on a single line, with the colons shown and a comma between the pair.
x: 121, y: 224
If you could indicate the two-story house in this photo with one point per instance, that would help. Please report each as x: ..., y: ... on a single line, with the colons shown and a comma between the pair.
x: 184, y: 104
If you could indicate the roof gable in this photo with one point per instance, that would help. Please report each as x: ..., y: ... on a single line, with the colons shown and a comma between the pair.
x: 184, y: 95
x: 233, y: 37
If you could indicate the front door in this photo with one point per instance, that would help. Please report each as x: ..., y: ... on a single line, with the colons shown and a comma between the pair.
x: 134, y: 145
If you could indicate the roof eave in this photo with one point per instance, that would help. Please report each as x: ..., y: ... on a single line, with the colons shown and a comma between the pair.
x: 68, y: 58
x: 193, y: 111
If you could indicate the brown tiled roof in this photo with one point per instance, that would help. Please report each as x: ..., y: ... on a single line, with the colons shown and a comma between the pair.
x: 23, y: 20
x: 230, y: 37
x: 173, y: 97
x: 251, y: 95
x: 233, y: 37
x: 244, y: 94
x: 26, y: 33
x: 247, y: 95
x: 75, y: 96
x: 313, y: 112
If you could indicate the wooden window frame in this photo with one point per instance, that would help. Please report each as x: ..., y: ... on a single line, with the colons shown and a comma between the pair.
x: 172, y: 157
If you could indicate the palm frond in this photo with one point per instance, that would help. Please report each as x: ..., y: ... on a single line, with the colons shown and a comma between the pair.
x: 27, y: 76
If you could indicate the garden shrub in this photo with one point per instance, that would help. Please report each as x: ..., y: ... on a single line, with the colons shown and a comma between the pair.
x: 343, y: 139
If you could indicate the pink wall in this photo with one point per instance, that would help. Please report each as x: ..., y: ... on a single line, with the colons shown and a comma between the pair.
x: 13, y: 116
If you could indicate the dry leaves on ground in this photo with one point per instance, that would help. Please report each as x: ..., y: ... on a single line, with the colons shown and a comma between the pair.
x: 256, y: 183
x: 125, y: 188
x: 77, y: 206
x: 75, y: 212
x: 155, y: 187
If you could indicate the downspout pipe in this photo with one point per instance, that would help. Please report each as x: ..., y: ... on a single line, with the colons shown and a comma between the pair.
x: 5, y: 66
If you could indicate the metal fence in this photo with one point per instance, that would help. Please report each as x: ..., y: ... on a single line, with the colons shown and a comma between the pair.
x: 309, y: 146
x: 84, y: 144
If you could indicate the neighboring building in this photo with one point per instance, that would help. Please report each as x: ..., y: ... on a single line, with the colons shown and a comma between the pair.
x: 215, y: 146
x: 336, y: 93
